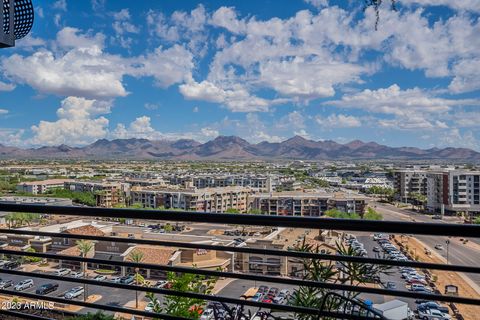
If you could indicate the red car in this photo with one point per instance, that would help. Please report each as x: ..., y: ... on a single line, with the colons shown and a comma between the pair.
x: 267, y: 300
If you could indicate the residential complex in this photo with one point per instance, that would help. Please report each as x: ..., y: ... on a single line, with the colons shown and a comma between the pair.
x: 299, y: 203
x: 453, y: 191
x: 107, y: 194
x: 39, y: 187
x: 408, y: 182
x: 202, y: 200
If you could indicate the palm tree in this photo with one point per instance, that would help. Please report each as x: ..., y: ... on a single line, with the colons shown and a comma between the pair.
x: 84, y: 247
x: 137, y: 257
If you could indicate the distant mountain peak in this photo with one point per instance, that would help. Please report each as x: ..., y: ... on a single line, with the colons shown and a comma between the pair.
x: 233, y: 147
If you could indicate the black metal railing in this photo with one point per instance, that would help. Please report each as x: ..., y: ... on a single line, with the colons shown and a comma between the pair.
x: 362, y: 311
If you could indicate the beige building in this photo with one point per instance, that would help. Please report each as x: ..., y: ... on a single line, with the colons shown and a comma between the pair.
x: 409, y: 181
x: 39, y: 187
x: 312, y: 204
x: 201, y: 200
x: 107, y: 194
x: 325, y: 241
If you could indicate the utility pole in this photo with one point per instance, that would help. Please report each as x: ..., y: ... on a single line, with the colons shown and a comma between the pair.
x: 448, y: 243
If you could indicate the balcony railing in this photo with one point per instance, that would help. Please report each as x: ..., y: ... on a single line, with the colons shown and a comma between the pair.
x: 349, y: 309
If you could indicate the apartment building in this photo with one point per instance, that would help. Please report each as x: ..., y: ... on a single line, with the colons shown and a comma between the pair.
x: 262, y: 183
x: 453, y: 191
x: 300, y: 203
x: 408, y: 181
x: 202, y: 200
x: 39, y: 187
x: 107, y: 194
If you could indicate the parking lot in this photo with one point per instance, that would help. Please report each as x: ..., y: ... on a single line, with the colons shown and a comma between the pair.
x: 383, y: 248
x: 109, y: 296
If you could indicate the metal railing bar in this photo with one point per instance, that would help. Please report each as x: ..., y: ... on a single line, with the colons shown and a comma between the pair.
x: 272, y: 252
x: 289, y: 281
x: 90, y: 305
x: 22, y: 315
x: 424, y: 228
x: 132, y: 287
x: 165, y: 316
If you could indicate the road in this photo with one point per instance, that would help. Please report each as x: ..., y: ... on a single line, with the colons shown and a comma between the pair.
x: 457, y: 252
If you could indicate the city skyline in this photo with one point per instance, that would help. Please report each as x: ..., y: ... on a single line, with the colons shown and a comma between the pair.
x: 101, y: 69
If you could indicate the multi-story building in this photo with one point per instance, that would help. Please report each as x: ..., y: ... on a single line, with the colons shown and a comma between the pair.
x: 107, y: 194
x: 453, y: 191
x: 307, y: 203
x: 407, y: 182
x: 262, y: 183
x: 39, y: 187
x: 202, y: 200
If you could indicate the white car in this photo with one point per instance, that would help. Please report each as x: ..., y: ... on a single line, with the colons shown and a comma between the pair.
x: 73, y: 293
x: 161, y: 284
x: 76, y: 274
x: 208, y: 314
x: 433, y: 314
x: 116, y: 279
x: 62, y: 272
x: 100, y: 277
x: 24, y: 284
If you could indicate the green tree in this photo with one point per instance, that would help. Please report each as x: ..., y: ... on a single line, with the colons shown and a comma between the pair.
x: 84, y: 246
x: 184, y: 306
x: 168, y: 228
x: 255, y: 211
x: 476, y: 220
x: 232, y: 210
x: 371, y: 214
x: 335, y: 213
x: 86, y: 198
x: 137, y: 257
x: 31, y: 259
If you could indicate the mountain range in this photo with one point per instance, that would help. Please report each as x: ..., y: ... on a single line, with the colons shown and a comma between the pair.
x: 235, y: 148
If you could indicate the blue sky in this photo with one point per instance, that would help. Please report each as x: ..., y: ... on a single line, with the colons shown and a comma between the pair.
x: 262, y: 70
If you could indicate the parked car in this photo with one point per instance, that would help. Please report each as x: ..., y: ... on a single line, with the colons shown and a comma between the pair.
x: 257, y: 297
x: 74, y: 293
x: 376, y: 249
x: 150, y: 307
x: 161, y: 284
x: 46, y: 288
x: 62, y: 272
x: 267, y: 300
x: 279, y: 300
x: 76, y: 274
x: 24, y: 284
x: 284, y: 293
x: 272, y: 292
x: 127, y: 280
x: 439, y: 246
x: 100, y: 277
x: 432, y: 305
x: 433, y: 314
x: 10, y: 265
x: 437, y: 217
x: 208, y: 314
x: 6, y: 284
x: 116, y: 279
x: 262, y: 289
x: 391, y: 285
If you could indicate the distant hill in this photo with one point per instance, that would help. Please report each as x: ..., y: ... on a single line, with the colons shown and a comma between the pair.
x: 235, y: 148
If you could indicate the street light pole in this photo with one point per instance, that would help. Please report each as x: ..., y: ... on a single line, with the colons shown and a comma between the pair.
x: 447, y: 242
